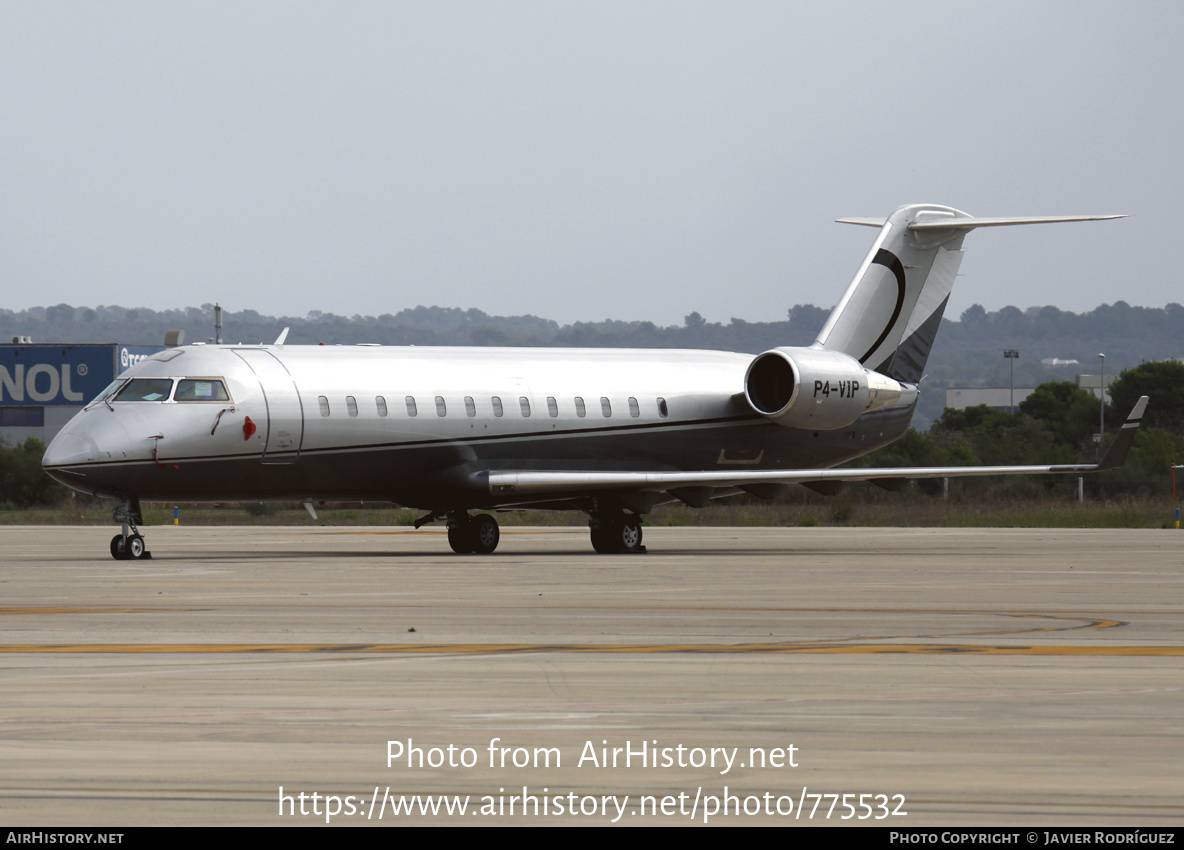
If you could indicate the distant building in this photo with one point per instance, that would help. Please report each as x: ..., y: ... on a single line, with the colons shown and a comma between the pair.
x: 961, y: 398
x: 1091, y: 383
x: 43, y: 385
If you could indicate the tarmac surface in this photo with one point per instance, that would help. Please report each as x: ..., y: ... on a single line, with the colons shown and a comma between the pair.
x: 827, y: 675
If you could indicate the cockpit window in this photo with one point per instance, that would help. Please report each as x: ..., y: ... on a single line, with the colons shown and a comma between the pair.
x: 146, y: 389
x: 110, y: 391
x: 201, y: 389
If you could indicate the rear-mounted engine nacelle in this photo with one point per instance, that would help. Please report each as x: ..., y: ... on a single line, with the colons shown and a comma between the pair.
x: 814, y: 389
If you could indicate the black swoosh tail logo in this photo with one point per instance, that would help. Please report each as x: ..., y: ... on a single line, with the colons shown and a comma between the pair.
x: 891, y: 262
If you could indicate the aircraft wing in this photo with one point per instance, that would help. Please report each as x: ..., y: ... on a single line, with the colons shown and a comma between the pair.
x: 542, y: 483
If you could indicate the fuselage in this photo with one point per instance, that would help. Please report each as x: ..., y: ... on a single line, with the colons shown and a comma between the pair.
x: 418, y: 426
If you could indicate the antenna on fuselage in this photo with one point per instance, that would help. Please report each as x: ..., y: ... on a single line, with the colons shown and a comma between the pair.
x: 217, y: 324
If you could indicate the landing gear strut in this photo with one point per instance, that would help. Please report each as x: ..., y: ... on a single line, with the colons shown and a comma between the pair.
x: 616, y: 532
x: 472, y: 535
x: 129, y: 545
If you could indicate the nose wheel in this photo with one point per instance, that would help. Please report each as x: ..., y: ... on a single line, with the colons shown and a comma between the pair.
x: 129, y: 545
x: 130, y: 548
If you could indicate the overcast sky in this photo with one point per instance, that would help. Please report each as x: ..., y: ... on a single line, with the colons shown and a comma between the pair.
x: 578, y: 160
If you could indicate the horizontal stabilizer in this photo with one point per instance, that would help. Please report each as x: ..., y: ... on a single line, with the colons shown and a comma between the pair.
x: 971, y: 223
x: 528, y: 484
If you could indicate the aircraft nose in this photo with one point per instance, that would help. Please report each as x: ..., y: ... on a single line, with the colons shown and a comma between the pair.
x: 69, y: 447
x: 77, y: 454
x: 87, y: 438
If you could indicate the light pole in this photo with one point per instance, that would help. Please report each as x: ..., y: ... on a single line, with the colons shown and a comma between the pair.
x: 1176, y: 466
x: 1012, y: 354
x: 1102, y: 395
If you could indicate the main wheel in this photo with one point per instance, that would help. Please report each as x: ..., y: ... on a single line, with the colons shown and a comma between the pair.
x: 461, y: 538
x: 615, y: 535
x: 484, y: 534
x: 604, y: 541
x: 119, y: 548
x: 630, y: 535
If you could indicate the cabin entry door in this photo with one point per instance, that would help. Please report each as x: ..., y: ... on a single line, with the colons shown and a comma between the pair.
x: 285, y: 412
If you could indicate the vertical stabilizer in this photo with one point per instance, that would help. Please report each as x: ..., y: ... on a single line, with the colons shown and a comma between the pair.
x: 889, y: 315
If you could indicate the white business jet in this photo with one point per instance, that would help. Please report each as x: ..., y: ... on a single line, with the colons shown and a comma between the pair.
x: 610, y: 432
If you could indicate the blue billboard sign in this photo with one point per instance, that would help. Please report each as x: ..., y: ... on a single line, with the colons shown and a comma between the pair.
x: 129, y: 355
x: 52, y: 374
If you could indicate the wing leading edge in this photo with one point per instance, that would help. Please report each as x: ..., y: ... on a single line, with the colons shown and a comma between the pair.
x: 533, y: 483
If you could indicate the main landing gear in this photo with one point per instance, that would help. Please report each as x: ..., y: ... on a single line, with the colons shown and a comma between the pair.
x: 616, y: 533
x: 472, y: 535
x: 129, y: 545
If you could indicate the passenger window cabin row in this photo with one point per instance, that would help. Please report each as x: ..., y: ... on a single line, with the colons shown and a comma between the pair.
x: 495, y: 403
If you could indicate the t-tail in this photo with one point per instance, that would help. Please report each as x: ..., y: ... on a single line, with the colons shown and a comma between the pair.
x: 889, y: 315
x: 872, y: 350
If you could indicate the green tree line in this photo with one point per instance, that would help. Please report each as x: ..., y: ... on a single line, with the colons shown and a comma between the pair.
x: 1057, y: 424
x: 23, y: 484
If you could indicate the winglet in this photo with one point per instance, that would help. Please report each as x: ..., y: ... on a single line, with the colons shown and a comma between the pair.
x: 279, y: 340
x: 1116, y: 454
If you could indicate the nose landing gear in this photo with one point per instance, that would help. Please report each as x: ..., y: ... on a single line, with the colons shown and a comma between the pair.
x: 129, y: 545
